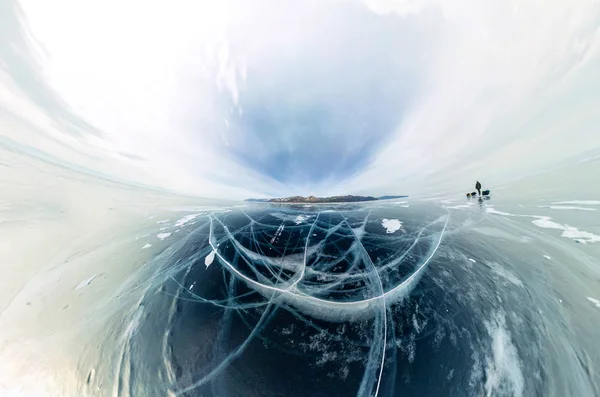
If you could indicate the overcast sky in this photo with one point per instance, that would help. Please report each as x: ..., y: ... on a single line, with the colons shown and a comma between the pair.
x: 238, y: 98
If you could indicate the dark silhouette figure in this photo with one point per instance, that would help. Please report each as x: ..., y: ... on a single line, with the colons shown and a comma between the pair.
x: 478, y: 187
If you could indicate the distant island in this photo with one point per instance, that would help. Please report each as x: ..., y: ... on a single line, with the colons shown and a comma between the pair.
x: 316, y: 200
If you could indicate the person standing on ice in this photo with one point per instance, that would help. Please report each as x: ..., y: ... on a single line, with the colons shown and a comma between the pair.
x: 478, y: 187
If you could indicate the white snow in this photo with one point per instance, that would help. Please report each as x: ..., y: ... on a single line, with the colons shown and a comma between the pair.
x: 163, y: 221
x: 147, y: 246
x: 596, y: 302
x: 300, y: 218
x: 186, y: 219
x: 567, y: 231
x: 391, y: 225
x: 163, y: 236
x: 547, y: 257
x: 87, y: 282
x: 567, y: 207
x: 491, y: 210
x: 581, y: 202
x: 210, y: 258
x: 472, y: 260
x: 547, y: 223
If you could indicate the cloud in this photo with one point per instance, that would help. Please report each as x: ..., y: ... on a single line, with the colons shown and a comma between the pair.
x: 505, y: 97
x: 26, y: 71
x: 398, y: 7
x: 236, y: 98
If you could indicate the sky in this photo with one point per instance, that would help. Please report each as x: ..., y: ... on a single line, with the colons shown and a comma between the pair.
x: 272, y: 98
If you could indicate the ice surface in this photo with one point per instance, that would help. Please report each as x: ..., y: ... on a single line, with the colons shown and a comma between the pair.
x: 317, y: 306
x: 505, y: 274
x: 504, y: 376
x: 195, y: 208
x: 456, y: 207
x: 496, y: 232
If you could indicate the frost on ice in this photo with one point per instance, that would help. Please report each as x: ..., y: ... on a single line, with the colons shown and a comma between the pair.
x: 162, y: 236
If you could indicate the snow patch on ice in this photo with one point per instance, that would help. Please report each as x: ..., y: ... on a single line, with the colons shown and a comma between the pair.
x: 162, y: 236
x: 580, y: 202
x: 567, y: 207
x: 181, y: 222
x: 571, y: 232
x: 85, y: 283
x: 503, y: 368
x: 491, y: 210
x: 547, y: 257
x: 300, y: 218
x: 147, y: 246
x: 163, y: 221
x: 472, y: 260
x: 210, y: 258
x: 391, y: 225
x: 596, y: 302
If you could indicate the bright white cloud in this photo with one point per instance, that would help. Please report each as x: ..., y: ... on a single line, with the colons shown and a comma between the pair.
x: 504, y: 96
x: 497, y: 90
